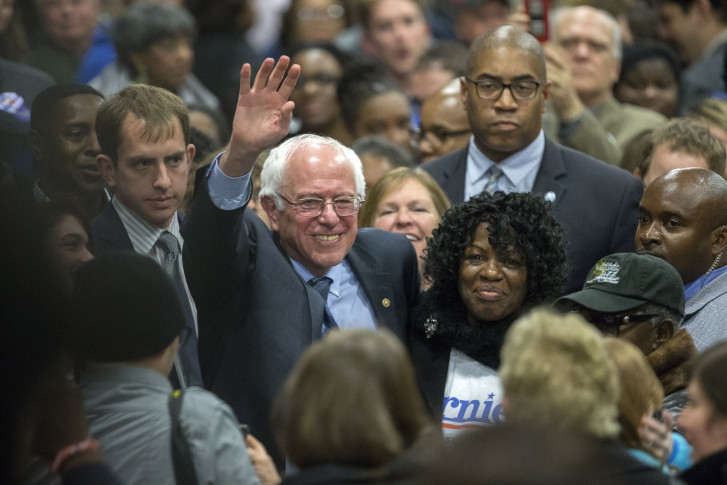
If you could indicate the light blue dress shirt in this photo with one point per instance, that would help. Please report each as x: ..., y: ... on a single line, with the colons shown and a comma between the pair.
x: 519, y: 170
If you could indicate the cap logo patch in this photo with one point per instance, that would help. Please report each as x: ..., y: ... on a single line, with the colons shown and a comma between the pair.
x: 605, y: 272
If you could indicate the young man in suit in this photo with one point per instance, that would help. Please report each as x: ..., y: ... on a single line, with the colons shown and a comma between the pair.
x: 504, y: 93
x: 146, y: 154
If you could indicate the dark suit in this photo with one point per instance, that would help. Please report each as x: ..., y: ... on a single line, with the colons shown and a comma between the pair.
x: 597, y: 204
x: 256, y: 313
x: 109, y: 234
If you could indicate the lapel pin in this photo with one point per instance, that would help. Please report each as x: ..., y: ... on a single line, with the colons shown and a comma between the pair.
x: 550, y: 196
x: 386, y: 302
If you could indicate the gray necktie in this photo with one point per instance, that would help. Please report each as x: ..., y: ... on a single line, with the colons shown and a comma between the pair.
x: 495, y: 173
x: 322, y: 285
x: 187, y: 362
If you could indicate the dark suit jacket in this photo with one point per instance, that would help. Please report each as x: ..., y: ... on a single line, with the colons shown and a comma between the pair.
x: 257, y: 315
x: 597, y: 204
x: 431, y: 364
x: 108, y: 232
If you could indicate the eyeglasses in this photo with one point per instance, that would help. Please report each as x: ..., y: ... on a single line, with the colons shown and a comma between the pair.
x: 309, y: 14
x: 492, y: 89
x: 615, y: 324
x: 440, y: 135
x: 343, y: 206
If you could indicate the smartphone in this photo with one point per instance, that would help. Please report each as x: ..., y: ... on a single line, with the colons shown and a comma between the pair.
x: 538, y: 12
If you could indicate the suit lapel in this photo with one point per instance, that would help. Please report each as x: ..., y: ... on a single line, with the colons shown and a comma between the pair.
x: 315, y: 301
x: 375, y: 284
x: 453, y: 181
x: 551, y: 173
x: 109, y: 232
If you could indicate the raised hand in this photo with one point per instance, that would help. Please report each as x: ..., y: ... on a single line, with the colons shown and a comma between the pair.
x: 563, y: 94
x: 262, y: 116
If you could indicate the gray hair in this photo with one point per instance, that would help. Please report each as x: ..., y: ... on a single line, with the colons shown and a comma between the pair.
x: 144, y: 23
x: 273, y: 172
x: 616, y: 45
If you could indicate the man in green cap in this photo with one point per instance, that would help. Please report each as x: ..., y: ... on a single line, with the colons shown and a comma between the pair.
x: 640, y: 298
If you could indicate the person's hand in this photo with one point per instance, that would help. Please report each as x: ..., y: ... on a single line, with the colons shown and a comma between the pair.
x: 563, y: 95
x: 261, y: 461
x: 656, y: 436
x: 262, y: 116
x: 519, y: 19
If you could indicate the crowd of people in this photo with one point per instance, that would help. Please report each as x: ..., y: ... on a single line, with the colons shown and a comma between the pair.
x: 363, y: 241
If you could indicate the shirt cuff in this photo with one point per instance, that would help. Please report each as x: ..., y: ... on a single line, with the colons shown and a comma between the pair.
x: 228, y: 193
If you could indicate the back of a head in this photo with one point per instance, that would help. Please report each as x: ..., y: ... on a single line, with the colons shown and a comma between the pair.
x: 124, y: 308
x: 351, y: 400
x: 556, y: 372
x: 641, y: 392
x: 520, y: 455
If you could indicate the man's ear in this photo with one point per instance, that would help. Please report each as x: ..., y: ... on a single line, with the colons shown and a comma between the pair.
x: 664, y: 331
x: 37, y: 144
x: 191, y: 151
x: 107, y: 169
x: 269, y: 207
x: 463, y: 91
x: 719, y: 240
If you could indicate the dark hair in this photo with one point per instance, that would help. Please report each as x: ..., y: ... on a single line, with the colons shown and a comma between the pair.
x: 217, y: 116
x: 636, y: 150
x: 45, y: 102
x: 290, y: 17
x: 360, y: 82
x: 51, y: 213
x: 445, y: 54
x: 158, y: 107
x: 13, y: 41
x: 215, y: 16
x: 519, y: 220
x: 343, y: 57
x: 708, y: 368
x: 378, y: 146
x: 642, y: 51
x: 145, y: 23
x: 719, y: 7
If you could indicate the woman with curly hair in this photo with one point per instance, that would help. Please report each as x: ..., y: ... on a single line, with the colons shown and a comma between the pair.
x: 491, y: 259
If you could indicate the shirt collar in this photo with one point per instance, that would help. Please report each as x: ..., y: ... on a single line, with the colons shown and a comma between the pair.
x: 516, y: 167
x: 334, y: 273
x: 144, y: 235
x: 691, y: 289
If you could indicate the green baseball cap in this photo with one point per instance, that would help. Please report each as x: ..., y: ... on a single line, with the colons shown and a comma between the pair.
x: 623, y: 281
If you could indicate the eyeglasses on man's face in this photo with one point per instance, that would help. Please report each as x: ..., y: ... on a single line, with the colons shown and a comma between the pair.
x: 492, y: 89
x: 310, y: 207
x: 437, y: 135
x: 616, y: 324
